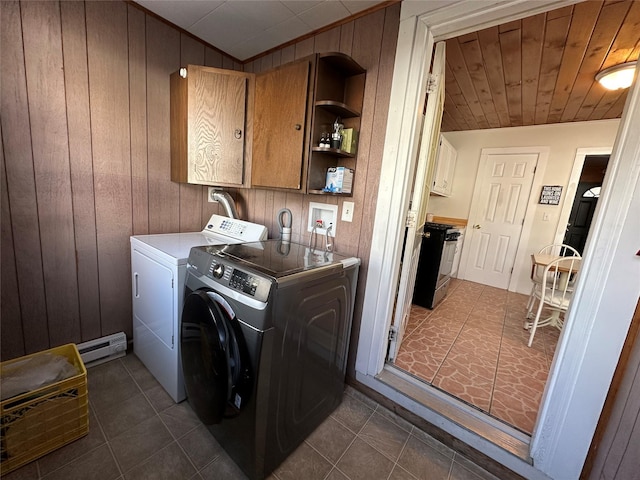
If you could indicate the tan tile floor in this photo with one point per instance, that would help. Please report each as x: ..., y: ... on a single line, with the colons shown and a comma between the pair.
x: 138, y: 432
x: 473, y: 346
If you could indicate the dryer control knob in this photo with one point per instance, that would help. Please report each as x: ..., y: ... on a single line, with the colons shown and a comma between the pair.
x: 218, y: 270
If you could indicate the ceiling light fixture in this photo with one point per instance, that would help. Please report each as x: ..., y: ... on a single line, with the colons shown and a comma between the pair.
x: 618, y: 76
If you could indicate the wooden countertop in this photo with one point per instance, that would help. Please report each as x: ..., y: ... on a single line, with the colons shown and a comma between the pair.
x: 458, y: 222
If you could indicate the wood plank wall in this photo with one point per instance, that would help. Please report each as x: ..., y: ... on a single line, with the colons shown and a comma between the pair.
x: 86, y: 162
x: 370, y: 41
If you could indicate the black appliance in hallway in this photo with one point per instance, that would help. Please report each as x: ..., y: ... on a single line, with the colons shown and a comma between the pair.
x: 435, y: 263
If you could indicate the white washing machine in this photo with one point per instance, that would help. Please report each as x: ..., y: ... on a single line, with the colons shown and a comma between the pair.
x: 158, y: 266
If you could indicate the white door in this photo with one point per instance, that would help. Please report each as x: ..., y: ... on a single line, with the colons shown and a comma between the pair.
x: 497, y: 215
x: 419, y: 198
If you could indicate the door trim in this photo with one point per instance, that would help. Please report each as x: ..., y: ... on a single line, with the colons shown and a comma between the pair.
x: 521, y: 261
x: 572, y: 186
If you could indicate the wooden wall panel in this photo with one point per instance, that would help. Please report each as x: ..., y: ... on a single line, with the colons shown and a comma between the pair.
x: 107, y: 51
x: 96, y: 171
x: 287, y: 54
x: 191, y: 52
x: 163, y: 58
x: 12, y: 338
x: 328, y: 41
x: 111, y: 85
x: 47, y: 115
x: 74, y: 40
x: 379, y: 125
x: 346, y: 37
x: 367, y: 42
x: 21, y: 188
x: 138, y: 119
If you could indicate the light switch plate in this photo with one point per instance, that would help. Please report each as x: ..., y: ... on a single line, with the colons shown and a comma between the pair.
x: 347, y: 211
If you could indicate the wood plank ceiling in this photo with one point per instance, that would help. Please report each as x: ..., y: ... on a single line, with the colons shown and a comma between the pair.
x: 541, y: 69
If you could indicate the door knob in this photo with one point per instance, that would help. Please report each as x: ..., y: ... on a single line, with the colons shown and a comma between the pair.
x: 477, y: 227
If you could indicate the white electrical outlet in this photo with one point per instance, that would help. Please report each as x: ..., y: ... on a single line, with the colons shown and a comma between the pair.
x: 347, y: 211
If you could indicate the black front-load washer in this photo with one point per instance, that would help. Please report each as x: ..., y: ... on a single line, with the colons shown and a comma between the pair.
x: 215, y: 355
x: 264, y: 341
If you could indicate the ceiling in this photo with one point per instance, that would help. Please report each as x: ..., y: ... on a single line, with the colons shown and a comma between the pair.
x: 246, y: 28
x: 538, y: 70
x: 541, y: 69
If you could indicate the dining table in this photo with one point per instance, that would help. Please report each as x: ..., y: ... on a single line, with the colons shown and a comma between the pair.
x: 544, y: 259
x: 566, y: 271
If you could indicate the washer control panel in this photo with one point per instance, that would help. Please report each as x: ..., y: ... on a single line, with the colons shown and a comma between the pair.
x: 244, y: 282
x: 206, y: 264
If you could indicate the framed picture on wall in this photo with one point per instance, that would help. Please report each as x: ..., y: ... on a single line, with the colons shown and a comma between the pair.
x: 550, y: 194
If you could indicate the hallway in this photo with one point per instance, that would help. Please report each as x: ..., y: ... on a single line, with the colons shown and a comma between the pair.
x: 473, y: 346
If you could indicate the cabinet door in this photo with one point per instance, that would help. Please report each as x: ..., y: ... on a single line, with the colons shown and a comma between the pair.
x: 210, y: 136
x: 280, y: 127
x: 444, y: 168
x: 217, y: 127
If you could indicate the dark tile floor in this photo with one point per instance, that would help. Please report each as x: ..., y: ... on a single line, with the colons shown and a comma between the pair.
x: 138, y: 432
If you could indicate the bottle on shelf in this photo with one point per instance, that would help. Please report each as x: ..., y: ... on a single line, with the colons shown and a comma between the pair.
x: 336, y: 136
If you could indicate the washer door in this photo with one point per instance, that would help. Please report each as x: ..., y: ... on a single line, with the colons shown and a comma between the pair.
x: 212, y: 361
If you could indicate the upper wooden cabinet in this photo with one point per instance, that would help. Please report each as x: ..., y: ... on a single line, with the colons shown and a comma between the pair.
x: 280, y: 126
x: 211, y: 126
x: 295, y: 105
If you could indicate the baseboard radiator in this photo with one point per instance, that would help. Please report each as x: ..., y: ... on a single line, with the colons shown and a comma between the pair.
x: 100, y: 350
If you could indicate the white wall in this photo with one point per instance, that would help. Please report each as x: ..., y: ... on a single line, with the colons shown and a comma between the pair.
x: 562, y: 139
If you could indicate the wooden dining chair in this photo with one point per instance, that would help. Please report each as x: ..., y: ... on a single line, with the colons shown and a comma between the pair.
x: 559, y: 249
x: 554, y: 293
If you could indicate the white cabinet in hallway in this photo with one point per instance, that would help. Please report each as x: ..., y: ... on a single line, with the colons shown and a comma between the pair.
x: 444, y: 169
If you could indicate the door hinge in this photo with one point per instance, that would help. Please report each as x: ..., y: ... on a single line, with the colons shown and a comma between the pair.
x: 393, y: 333
x: 412, y: 215
x: 432, y: 82
x: 172, y: 283
x: 172, y: 337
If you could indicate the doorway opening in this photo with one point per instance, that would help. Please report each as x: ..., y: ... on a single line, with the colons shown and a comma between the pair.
x: 585, y: 201
x: 564, y: 428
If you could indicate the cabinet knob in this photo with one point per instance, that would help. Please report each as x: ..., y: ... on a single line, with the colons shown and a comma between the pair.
x: 183, y: 72
x: 237, y: 133
x: 298, y: 126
